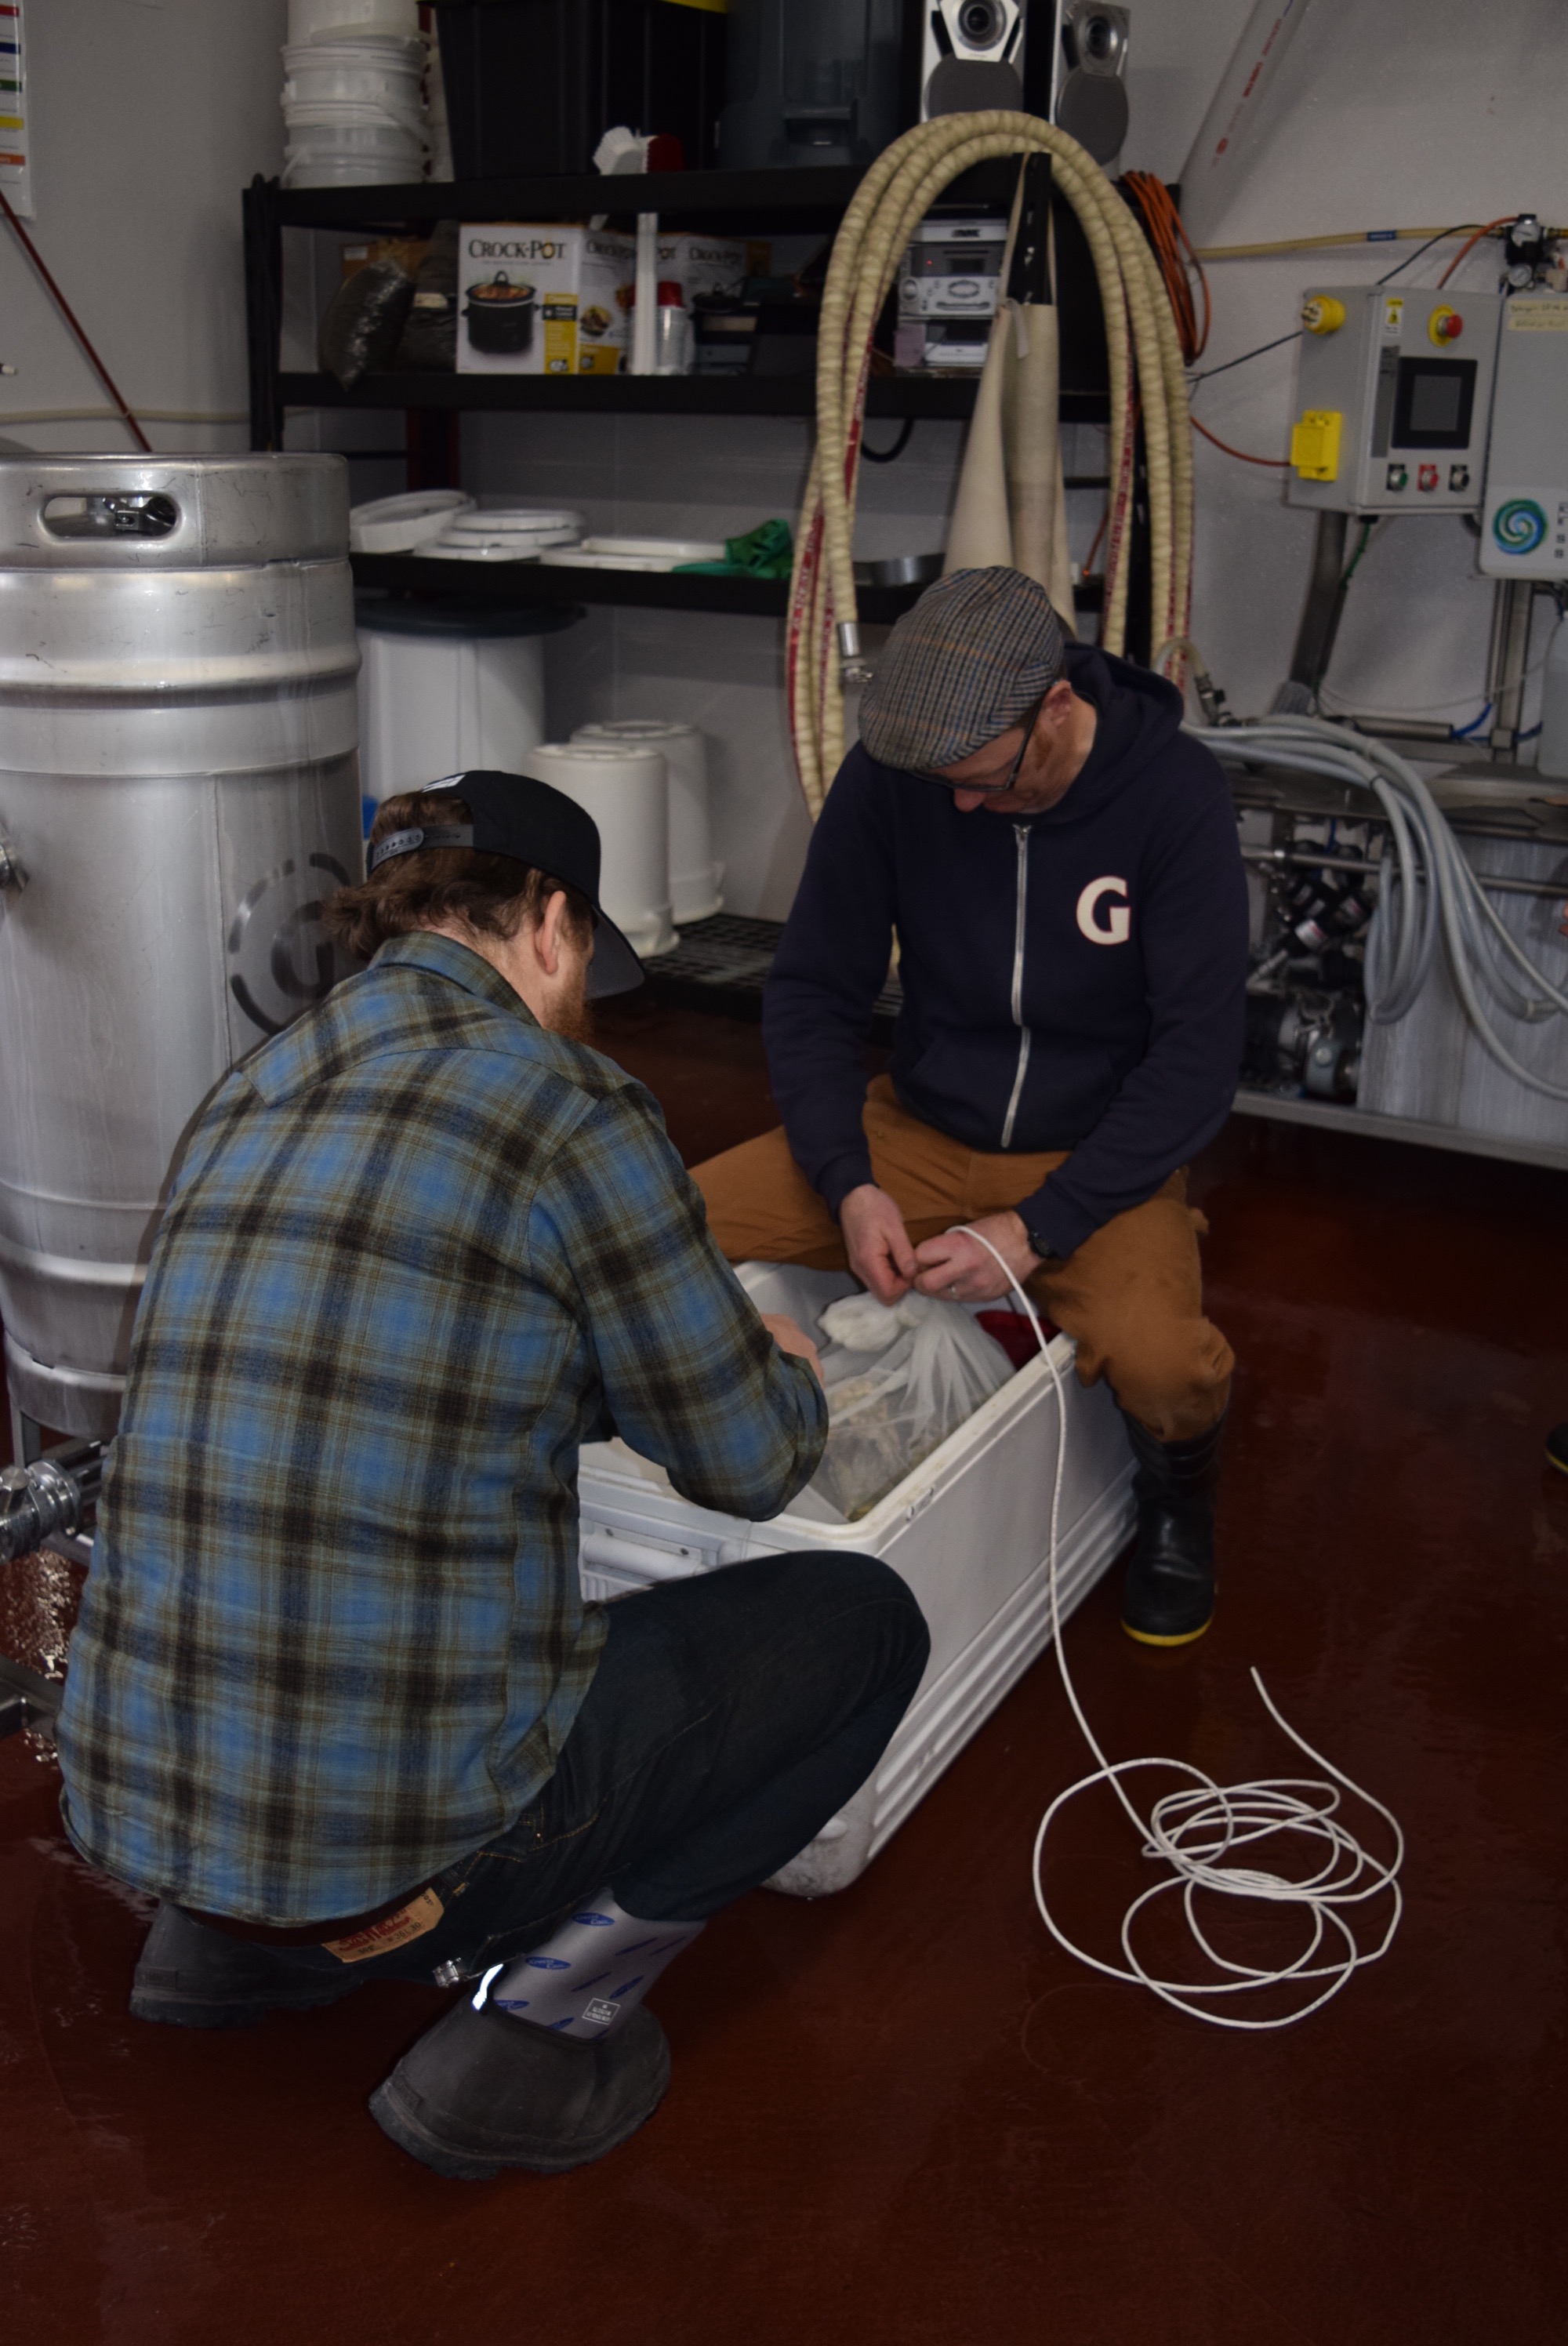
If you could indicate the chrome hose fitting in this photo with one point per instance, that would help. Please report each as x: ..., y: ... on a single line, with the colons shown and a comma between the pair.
x: 51, y: 1495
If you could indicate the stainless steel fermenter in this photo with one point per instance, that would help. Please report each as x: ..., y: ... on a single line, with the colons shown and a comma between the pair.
x: 178, y: 792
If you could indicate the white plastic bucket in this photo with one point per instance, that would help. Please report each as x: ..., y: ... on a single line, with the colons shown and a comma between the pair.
x: 439, y: 691
x: 694, y: 876
x: 624, y: 791
x: 353, y: 20
x: 381, y: 75
x: 339, y: 154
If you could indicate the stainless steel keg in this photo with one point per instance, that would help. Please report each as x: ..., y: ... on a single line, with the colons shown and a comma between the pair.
x: 178, y: 793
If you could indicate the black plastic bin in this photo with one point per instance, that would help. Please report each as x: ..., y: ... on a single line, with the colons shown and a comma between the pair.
x: 534, y: 85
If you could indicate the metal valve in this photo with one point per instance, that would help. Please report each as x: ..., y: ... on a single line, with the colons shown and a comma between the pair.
x: 852, y: 668
x: 51, y: 1495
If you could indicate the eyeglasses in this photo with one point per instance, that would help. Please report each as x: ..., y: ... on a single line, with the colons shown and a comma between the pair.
x: 997, y: 789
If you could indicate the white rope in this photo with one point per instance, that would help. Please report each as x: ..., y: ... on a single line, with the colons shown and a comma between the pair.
x: 1198, y: 1832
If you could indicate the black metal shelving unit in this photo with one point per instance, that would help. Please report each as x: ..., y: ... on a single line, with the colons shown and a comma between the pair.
x: 739, y: 202
x: 532, y: 583
x: 940, y: 397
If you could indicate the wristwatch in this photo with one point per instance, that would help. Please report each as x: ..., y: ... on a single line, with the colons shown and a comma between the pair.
x: 1037, y: 1245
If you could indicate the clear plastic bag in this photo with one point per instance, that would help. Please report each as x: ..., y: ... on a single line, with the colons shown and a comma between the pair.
x: 898, y: 1382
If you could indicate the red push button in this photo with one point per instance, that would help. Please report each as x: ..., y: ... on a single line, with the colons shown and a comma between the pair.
x: 1426, y: 476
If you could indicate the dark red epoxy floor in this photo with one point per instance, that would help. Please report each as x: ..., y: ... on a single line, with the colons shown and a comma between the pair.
x: 903, y: 2114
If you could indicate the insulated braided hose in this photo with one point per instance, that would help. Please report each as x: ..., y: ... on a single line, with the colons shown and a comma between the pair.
x: 1146, y: 371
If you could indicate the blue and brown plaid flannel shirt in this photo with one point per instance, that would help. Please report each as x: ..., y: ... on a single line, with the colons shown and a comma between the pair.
x: 419, y: 1250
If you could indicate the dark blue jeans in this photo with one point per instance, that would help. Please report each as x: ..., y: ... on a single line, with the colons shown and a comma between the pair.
x: 732, y: 1715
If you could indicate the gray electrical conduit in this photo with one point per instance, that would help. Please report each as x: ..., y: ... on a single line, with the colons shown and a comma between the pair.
x: 1439, y: 889
x: 896, y: 193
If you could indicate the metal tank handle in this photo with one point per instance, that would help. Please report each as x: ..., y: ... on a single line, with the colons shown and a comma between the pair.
x: 111, y: 513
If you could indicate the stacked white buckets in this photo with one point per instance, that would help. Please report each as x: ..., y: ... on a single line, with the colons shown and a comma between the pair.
x: 694, y: 876
x: 445, y: 686
x: 352, y: 101
x: 643, y: 780
x: 622, y: 785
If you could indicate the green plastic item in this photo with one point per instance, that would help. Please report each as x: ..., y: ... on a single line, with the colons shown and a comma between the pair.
x: 766, y: 552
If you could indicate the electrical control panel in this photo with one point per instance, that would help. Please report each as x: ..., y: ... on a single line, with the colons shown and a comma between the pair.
x: 1524, y: 521
x: 1394, y: 400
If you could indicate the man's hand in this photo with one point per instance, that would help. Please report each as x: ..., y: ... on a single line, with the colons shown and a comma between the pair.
x: 791, y: 1337
x: 954, y: 1268
x: 877, y: 1242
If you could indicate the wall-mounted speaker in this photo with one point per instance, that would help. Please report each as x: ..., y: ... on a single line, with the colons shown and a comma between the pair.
x: 1091, y: 78
x: 973, y: 57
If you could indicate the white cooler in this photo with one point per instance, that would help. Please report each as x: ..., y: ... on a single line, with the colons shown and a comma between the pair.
x: 968, y: 1529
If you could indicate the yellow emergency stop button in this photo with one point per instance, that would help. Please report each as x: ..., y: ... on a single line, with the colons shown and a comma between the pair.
x: 1445, y: 326
x: 1315, y: 444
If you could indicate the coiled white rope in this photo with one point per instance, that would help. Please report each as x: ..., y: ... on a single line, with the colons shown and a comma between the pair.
x: 1200, y: 1833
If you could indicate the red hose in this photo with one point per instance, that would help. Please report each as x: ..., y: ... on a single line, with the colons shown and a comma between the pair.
x: 69, y: 315
x: 1280, y: 463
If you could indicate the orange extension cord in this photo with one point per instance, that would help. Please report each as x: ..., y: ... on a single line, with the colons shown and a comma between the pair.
x: 1179, y: 266
x: 1470, y: 242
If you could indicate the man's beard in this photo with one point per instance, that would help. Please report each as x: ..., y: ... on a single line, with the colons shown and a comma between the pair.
x: 571, y: 1014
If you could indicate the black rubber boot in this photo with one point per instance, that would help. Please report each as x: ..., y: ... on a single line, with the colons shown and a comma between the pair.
x: 1169, y: 1599
x: 193, y: 1977
x: 482, y: 2091
x: 1557, y: 1447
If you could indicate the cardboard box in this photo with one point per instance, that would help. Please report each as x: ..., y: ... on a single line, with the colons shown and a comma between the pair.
x: 543, y: 299
x: 704, y: 264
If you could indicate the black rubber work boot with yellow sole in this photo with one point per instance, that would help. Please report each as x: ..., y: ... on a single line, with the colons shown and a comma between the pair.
x: 1557, y: 1447
x: 482, y: 2091
x: 192, y: 1976
x: 1169, y: 1599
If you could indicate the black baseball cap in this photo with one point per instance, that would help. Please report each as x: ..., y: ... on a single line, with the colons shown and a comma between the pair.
x: 533, y: 823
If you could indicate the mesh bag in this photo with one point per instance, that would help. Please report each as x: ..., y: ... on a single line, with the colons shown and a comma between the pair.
x: 898, y: 1381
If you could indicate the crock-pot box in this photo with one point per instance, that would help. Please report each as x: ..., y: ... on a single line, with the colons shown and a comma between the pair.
x: 543, y: 299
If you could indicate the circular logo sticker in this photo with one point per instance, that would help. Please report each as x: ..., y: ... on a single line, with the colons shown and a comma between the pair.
x: 1519, y: 527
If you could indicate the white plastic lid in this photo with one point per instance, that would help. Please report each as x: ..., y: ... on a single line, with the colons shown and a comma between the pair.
x: 485, y: 549
x: 631, y: 729
x: 397, y: 524
x: 671, y: 549
x: 367, y: 52
x: 507, y: 521
x: 591, y: 752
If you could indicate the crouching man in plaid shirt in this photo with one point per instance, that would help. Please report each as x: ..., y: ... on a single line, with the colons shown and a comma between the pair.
x: 335, y: 1697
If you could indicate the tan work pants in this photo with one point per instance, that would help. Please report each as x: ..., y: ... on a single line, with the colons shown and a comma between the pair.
x: 1132, y: 1294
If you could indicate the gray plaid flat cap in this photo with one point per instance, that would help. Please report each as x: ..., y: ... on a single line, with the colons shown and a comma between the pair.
x: 967, y: 662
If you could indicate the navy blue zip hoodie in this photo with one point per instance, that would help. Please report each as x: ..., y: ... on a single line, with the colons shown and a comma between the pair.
x: 1074, y: 980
